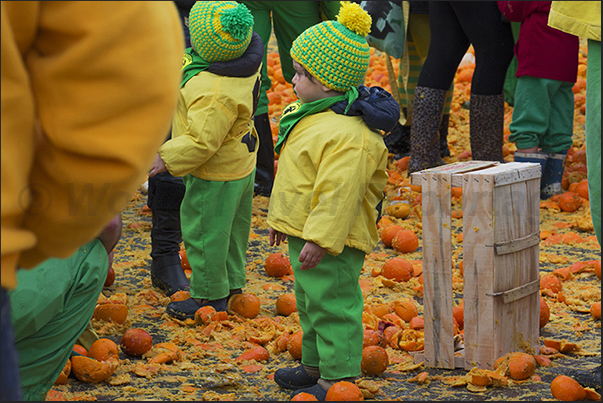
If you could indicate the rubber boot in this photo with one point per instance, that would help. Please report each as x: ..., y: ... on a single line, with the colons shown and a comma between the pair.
x: 486, y: 125
x: 166, y: 269
x: 264, y: 174
x: 537, y: 158
x: 424, y: 132
x: 552, y: 174
x: 444, y: 150
x: 398, y: 141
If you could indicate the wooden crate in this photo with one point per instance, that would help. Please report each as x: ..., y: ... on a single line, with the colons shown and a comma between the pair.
x: 501, y: 207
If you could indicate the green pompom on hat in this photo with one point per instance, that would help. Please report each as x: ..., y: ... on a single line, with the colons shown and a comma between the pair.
x: 336, y: 52
x: 220, y: 30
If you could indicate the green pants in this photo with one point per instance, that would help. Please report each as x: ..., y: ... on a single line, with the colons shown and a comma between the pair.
x: 593, y: 132
x: 289, y: 18
x: 543, y: 115
x: 330, y: 303
x: 51, y: 307
x: 216, y: 220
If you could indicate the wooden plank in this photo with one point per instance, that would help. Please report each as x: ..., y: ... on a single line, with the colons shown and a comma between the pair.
x: 478, y: 262
x: 518, y: 244
x: 437, y: 270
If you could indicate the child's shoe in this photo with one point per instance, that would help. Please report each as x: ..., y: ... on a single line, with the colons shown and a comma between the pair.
x: 186, y: 309
x: 550, y: 184
x: 295, y: 378
x: 317, y: 391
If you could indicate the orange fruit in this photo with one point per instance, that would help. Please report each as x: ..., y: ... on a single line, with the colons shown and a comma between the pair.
x: 456, y: 192
x: 374, y: 360
x: 110, y: 277
x: 405, y: 309
x: 402, y: 163
x: 417, y: 323
x: 405, y: 241
x: 286, y: 304
x: 582, y: 189
x: 388, y: 234
x: 551, y: 282
x: 398, y: 210
x: 344, y: 391
x: 246, y: 305
x: 595, y: 310
x: 255, y: 353
x: 397, y: 269
x: 304, y: 397
x: 64, y: 375
x: 598, y: 269
x: 117, y: 313
x: 458, y: 313
x: 569, y: 202
x: 80, y: 349
x: 184, y: 260
x: 180, y: 295
x: 567, y: 389
x: 103, y: 349
x: 545, y: 313
x: 379, y: 310
x: 135, y: 342
x: 373, y: 338
x: 294, y: 345
x: 205, y: 315
x: 89, y: 370
x: 521, y: 366
x: 277, y: 265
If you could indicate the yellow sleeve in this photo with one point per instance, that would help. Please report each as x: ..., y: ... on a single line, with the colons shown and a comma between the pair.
x: 104, y: 81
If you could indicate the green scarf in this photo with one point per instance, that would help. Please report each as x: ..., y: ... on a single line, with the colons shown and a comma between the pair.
x: 192, y: 64
x: 296, y: 111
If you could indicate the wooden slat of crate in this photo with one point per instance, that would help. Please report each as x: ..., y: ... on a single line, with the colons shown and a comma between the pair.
x: 501, y: 204
x: 437, y: 270
x: 478, y: 265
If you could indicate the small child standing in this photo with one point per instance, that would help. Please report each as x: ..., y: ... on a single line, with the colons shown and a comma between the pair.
x: 543, y: 114
x: 329, y: 183
x: 213, y: 148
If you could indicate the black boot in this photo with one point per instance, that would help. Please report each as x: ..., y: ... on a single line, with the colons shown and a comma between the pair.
x: 424, y: 134
x: 398, y: 141
x: 550, y: 184
x: 444, y: 150
x: 264, y: 174
x: 166, y: 269
x: 486, y: 125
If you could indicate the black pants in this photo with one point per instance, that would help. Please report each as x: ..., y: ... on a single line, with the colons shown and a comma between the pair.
x: 454, y: 26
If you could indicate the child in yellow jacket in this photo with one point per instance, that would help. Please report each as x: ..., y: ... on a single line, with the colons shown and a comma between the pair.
x: 213, y: 148
x: 329, y: 182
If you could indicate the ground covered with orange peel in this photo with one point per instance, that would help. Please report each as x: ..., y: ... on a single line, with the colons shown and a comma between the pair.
x: 204, y: 360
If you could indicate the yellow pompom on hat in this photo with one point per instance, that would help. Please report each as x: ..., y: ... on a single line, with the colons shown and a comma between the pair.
x: 220, y: 30
x: 336, y: 52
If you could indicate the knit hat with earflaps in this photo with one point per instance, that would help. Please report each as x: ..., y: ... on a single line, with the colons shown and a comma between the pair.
x: 220, y: 30
x: 336, y: 52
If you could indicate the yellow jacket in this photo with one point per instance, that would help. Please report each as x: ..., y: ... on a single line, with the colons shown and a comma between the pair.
x: 88, y: 93
x: 213, y: 116
x: 331, y: 176
x: 580, y: 18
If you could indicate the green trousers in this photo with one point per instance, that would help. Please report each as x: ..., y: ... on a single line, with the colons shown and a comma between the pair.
x: 289, y: 19
x: 543, y: 115
x: 216, y: 220
x: 50, y: 308
x: 593, y: 132
x: 330, y: 303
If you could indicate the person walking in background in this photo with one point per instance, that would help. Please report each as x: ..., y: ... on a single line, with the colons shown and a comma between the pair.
x: 213, y: 148
x: 164, y: 199
x: 331, y: 178
x: 83, y: 113
x: 454, y: 26
x: 289, y: 19
x: 543, y: 115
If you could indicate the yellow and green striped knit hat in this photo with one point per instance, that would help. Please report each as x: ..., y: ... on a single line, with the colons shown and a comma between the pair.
x: 220, y: 30
x: 336, y: 52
